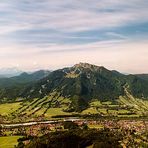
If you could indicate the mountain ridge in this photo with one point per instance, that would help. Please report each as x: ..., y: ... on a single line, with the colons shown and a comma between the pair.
x: 10, y: 87
x: 82, y: 83
x: 10, y: 72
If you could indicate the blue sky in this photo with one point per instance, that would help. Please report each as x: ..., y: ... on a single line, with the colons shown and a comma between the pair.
x: 52, y: 34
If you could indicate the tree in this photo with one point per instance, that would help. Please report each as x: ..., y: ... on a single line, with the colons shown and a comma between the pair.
x: 1, y: 132
x: 84, y: 126
x: 70, y: 125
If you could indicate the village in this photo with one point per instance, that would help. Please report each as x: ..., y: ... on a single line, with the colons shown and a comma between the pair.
x: 39, y: 128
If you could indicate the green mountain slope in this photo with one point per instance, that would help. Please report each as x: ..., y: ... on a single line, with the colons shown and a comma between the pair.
x: 10, y: 87
x: 84, y: 82
x: 138, y: 87
x: 81, y: 83
x: 143, y: 76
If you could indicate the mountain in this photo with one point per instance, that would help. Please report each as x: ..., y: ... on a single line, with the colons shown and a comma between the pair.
x: 80, y: 83
x: 143, y: 76
x: 10, y: 87
x: 9, y: 72
x: 84, y: 82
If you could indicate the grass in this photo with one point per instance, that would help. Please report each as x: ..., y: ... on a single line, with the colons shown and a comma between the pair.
x: 72, y: 75
x: 128, y: 116
x: 139, y: 105
x: 56, y: 111
x: 96, y: 126
x: 8, y: 108
x: 40, y: 112
x: 90, y: 110
x: 8, y: 142
x: 107, y: 103
x: 95, y: 103
x: 65, y: 100
x: 125, y: 106
x: 102, y: 110
x: 37, y: 107
x: 123, y: 111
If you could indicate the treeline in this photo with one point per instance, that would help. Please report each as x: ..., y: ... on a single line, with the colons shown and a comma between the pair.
x: 75, y: 138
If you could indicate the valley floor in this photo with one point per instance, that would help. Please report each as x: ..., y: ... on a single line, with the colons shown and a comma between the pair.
x: 9, y: 141
x: 38, y: 117
x: 51, y: 107
x: 132, y: 130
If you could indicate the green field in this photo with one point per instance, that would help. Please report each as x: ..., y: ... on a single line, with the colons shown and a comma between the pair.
x: 8, y: 142
x: 96, y: 126
x: 8, y: 108
x: 125, y: 106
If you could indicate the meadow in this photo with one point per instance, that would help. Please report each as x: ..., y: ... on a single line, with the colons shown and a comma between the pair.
x: 9, y: 141
x: 51, y: 106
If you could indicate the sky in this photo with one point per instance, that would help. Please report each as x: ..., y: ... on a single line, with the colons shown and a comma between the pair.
x: 52, y: 34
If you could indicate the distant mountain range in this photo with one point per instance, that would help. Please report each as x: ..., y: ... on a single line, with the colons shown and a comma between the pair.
x: 9, y: 72
x: 143, y: 76
x: 81, y: 83
x: 10, y: 88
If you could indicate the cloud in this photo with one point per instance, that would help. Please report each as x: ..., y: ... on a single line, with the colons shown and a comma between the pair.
x: 125, y: 57
x: 75, y: 16
x: 40, y: 28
